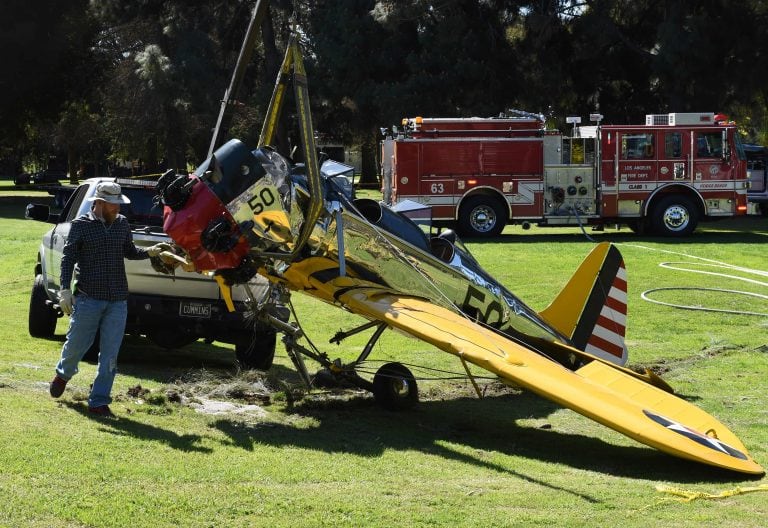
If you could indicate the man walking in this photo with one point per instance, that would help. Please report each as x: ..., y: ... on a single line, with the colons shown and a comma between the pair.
x: 97, y: 244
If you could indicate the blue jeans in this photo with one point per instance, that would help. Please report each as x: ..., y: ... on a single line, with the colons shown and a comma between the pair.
x: 89, y: 316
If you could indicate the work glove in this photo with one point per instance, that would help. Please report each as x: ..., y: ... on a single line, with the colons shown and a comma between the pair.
x: 155, y: 250
x: 174, y: 259
x: 167, y: 262
x: 65, y: 301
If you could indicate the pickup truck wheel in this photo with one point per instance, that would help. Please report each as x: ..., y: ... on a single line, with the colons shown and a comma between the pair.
x: 170, y: 339
x: 481, y: 216
x: 255, y: 350
x: 42, y: 316
x: 674, y: 215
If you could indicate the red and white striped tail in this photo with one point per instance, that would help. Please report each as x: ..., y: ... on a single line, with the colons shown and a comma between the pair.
x: 607, y: 339
x: 591, y: 310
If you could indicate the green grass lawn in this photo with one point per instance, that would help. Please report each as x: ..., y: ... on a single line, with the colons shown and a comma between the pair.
x: 336, y: 459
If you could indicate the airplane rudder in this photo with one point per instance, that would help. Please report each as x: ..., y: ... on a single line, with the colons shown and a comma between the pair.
x: 567, y: 308
x: 602, y: 327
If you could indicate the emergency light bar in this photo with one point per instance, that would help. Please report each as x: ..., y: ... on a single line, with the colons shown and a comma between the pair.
x: 136, y: 182
x: 680, y: 118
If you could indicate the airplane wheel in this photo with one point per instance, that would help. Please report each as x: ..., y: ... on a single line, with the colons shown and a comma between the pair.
x: 324, y: 379
x: 394, y: 387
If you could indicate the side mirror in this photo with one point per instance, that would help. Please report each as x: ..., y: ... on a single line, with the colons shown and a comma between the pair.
x: 39, y: 212
x: 726, y: 148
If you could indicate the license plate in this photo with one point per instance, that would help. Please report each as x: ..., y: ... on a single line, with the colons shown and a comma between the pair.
x: 195, y: 309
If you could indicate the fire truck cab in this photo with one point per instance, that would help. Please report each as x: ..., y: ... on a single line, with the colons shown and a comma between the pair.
x: 480, y: 174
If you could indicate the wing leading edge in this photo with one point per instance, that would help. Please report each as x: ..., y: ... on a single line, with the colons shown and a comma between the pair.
x: 597, y: 390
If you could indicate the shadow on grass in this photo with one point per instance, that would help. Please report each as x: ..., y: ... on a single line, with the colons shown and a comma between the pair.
x: 128, y: 427
x: 468, y: 430
x: 462, y: 429
x: 141, y: 358
x: 741, y: 230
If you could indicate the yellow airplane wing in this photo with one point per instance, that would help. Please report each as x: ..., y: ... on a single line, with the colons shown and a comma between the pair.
x: 597, y: 390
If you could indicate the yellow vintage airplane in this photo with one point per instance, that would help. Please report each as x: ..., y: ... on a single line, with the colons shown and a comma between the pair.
x: 245, y: 212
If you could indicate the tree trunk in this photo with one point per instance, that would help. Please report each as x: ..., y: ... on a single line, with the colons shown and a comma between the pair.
x: 72, y: 165
x: 175, y: 139
x: 150, y: 161
x: 369, y: 177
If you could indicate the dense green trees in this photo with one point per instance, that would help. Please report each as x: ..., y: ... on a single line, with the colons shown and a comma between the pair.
x: 47, y: 66
x: 142, y: 79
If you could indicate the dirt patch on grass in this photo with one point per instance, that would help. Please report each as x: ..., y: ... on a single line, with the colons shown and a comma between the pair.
x: 252, y: 392
x: 206, y: 392
x: 714, y: 350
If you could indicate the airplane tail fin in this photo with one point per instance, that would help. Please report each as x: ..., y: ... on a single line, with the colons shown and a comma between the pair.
x: 592, y: 308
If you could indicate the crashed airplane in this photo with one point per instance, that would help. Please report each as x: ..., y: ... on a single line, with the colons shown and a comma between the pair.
x: 248, y: 211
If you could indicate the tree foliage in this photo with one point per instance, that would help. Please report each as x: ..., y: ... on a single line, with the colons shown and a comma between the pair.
x: 146, y: 76
x: 47, y: 62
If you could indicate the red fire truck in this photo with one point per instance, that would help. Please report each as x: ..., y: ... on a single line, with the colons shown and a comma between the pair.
x: 479, y: 174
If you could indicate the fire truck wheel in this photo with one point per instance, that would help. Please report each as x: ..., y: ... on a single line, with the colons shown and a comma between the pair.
x: 481, y: 216
x: 674, y: 215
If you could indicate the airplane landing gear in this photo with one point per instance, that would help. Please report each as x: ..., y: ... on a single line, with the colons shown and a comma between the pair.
x: 394, y: 387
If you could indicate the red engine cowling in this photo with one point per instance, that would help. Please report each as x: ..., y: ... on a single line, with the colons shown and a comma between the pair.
x: 187, y: 225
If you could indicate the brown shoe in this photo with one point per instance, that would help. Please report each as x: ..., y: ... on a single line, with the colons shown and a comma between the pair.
x: 57, y: 386
x: 101, y: 410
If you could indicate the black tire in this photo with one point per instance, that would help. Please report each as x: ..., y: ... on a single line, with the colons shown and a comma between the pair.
x: 394, y: 387
x: 674, y: 216
x: 763, y: 209
x: 171, y: 338
x: 42, y: 316
x: 324, y: 379
x: 255, y: 349
x: 481, y: 216
x: 639, y: 226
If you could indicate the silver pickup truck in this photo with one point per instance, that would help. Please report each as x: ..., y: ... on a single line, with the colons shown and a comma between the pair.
x: 172, y: 311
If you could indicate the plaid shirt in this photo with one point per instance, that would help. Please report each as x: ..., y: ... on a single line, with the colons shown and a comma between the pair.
x: 94, y: 252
